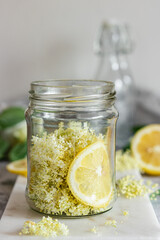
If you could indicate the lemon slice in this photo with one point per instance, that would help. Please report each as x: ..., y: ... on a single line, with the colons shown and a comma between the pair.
x: 145, y: 147
x: 18, y: 167
x: 89, y: 176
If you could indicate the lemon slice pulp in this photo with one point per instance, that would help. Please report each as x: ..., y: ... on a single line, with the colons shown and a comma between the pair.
x: 146, y: 148
x: 89, y: 176
x: 18, y: 167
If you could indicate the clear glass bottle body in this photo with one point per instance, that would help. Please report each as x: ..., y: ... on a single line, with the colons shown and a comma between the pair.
x: 113, y: 47
x: 67, y: 121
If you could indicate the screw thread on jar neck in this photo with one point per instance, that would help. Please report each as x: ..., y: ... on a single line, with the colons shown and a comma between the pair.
x: 72, y: 94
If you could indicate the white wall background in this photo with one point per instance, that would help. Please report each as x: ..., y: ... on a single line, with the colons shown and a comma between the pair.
x: 54, y: 39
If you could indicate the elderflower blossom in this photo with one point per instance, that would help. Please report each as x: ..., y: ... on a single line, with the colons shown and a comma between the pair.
x: 94, y: 230
x: 50, y: 159
x: 125, y: 161
x: 112, y: 223
x: 46, y: 227
x: 125, y: 213
x: 129, y: 187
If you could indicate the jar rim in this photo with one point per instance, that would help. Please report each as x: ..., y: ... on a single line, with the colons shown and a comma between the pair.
x: 48, y: 83
x: 46, y: 86
x: 72, y: 92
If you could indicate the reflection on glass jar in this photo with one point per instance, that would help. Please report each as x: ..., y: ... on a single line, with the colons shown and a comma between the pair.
x: 71, y: 147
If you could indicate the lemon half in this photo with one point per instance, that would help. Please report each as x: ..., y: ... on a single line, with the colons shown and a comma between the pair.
x: 18, y: 167
x: 145, y: 148
x: 89, y: 176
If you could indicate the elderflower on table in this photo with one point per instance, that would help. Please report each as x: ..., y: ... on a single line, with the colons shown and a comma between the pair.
x: 46, y: 227
x: 130, y: 187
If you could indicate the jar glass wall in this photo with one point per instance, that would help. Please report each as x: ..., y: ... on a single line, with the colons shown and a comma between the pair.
x: 71, y: 147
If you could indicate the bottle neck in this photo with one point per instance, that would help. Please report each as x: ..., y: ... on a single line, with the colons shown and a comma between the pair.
x: 113, y: 46
x: 123, y: 62
x: 112, y: 66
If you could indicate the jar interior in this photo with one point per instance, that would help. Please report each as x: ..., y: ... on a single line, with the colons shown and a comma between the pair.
x: 71, y: 167
x: 54, y: 146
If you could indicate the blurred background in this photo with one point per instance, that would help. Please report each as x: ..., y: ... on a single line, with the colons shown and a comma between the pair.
x: 54, y: 39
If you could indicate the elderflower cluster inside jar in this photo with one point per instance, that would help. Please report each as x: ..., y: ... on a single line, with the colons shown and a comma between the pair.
x: 71, y: 147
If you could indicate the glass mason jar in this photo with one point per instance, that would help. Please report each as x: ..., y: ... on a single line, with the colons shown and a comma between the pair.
x: 71, y: 147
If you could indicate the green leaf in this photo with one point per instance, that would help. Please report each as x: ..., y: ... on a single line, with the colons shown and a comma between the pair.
x: 19, y: 151
x: 11, y: 116
x: 4, y: 146
x: 127, y: 147
x: 137, y: 127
